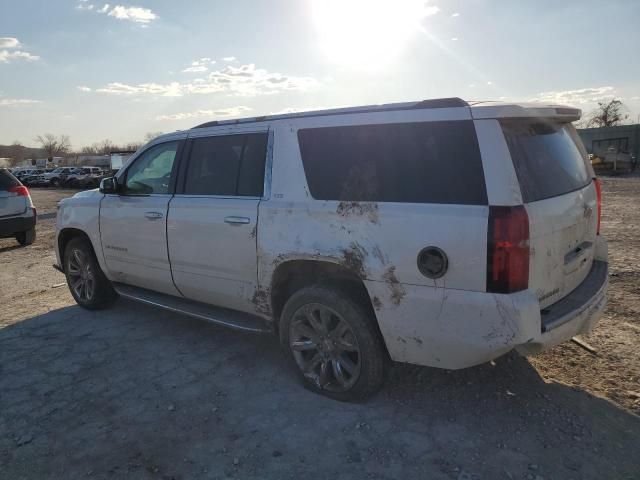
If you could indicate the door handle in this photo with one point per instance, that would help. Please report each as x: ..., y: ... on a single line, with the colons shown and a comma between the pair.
x: 237, y: 220
x: 153, y: 215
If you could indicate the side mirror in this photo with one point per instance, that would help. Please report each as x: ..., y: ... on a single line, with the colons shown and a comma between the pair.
x: 109, y: 185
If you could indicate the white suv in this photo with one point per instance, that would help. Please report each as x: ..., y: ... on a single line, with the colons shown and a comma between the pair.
x: 438, y: 233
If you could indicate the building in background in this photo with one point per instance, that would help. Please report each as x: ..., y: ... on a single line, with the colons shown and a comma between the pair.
x: 612, y: 148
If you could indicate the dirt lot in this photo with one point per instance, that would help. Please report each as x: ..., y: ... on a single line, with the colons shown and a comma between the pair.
x: 134, y: 392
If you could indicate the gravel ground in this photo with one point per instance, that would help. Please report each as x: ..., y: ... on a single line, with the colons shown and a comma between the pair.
x: 134, y: 392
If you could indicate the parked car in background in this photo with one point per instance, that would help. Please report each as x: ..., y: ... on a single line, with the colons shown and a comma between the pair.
x: 82, y: 176
x: 92, y: 181
x: 28, y: 179
x: 37, y: 181
x: 438, y: 233
x: 18, y: 170
x: 24, y: 174
x: 57, y: 175
x: 17, y: 213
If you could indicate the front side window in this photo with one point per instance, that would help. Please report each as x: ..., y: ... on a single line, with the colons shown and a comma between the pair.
x: 151, y: 172
x: 230, y: 165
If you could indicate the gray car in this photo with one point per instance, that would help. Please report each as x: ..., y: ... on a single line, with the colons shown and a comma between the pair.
x: 17, y: 213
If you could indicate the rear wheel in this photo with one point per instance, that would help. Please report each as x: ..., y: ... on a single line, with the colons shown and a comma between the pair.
x: 87, y: 283
x: 333, y: 344
x: 27, y: 237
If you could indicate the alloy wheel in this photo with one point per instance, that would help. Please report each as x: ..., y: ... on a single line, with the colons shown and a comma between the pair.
x: 81, y: 276
x: 325, y: 348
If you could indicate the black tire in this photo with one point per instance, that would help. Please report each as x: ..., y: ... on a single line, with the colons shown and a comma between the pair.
x: 27, y: 237
x: 371, y: 358
x: 87, y: 283
x: 54, y: 182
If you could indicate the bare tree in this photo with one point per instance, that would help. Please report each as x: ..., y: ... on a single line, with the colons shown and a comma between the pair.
x: 53, y: 145
x: 89, y: 150
x: 106, y: 146
x: 608, y: 114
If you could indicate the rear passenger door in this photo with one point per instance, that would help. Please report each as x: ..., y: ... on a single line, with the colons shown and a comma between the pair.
x: 213, y: 217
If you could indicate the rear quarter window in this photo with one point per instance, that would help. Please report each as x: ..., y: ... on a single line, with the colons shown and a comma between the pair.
x: 548, y: 158
x: 7, y: 180
x: 425, y: 162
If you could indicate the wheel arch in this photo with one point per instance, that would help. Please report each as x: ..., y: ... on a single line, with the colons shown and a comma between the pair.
x: 68, y: 234
x: 295, y: 274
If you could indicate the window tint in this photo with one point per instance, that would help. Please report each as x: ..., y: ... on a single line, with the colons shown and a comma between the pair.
x: 427, y: 162
x: 7, y: 180
x: 151, y: 172
x: 549, y: 158
x: 231, y: 165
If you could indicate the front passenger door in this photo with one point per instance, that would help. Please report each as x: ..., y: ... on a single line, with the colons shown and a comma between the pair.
x: 133, y: 222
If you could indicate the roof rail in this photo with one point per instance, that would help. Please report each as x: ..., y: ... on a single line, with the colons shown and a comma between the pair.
x: 452, y: 102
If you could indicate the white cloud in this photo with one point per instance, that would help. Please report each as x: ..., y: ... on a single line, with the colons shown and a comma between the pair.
x: 634, y: 98
x: 222, y: 112
x: 455, y: 14
x: 430, y: 10
x: 84, y: 5
x: 288, y: 110
x: 576, y: 97
x: 196, y: 69
x: 84, y: 88
x: 244, y: 80
x: 140, y: 15
x: 7, y: 55
x: 229, y: 59
x: 8, y: 52
x: 201, y: 65
x: 454, y: 39
x: 134, y: 14
x: 10, y: 102
x: 173, y: 89
x: 9, y: 42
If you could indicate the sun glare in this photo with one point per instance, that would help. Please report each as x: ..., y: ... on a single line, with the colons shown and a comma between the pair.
x: 367, y: 33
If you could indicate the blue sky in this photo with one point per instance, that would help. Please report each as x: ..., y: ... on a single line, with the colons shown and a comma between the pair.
x: 96, y: 70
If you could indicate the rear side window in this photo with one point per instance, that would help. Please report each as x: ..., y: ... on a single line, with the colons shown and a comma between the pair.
x: 548, y: 158
x: 7, y: 180
x: 228, y: 165
x: 426, y: 162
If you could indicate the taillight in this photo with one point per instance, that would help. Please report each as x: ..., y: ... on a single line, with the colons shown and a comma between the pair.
x: 508, y: 249
x: 21, y: 190
x: 596, y: 183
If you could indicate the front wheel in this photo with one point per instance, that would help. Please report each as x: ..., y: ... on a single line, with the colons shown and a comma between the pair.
x: 87, y: 283
x: 333, y: 344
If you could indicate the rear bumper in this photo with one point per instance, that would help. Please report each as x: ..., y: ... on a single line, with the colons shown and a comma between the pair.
x: 577, y: 313
x: 453, y: 329
x: 12, y: 225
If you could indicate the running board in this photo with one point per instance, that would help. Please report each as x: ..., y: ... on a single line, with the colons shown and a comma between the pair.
x: 224, y: 317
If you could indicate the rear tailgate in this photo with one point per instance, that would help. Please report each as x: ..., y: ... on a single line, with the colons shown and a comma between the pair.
x: 11, y: 203
x: 560, y: 198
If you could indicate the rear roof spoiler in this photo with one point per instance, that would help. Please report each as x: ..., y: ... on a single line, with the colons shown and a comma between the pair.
x: 560, y: 113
